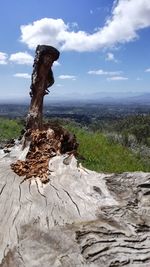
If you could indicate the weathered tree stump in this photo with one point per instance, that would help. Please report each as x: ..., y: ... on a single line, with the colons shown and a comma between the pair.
x: 42, y: 78
x: 79, y: 217
x: 45, y: 141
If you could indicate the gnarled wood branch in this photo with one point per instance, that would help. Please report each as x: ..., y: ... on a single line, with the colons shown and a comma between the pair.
x: 42, y: 78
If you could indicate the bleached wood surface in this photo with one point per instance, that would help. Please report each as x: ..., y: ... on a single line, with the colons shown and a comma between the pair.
x: 79, y: 218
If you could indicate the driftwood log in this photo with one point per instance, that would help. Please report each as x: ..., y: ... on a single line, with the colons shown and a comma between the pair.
x: 78, y: 218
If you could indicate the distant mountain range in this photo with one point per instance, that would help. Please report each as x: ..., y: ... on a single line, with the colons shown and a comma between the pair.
x: 144, y: 98
x: 139, y: 99
x: 90, y: 98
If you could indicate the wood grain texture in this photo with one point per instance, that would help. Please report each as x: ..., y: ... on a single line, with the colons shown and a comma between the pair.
x: 79, y: 218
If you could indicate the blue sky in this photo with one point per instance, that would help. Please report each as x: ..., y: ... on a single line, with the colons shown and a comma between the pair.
x: 104, y: 46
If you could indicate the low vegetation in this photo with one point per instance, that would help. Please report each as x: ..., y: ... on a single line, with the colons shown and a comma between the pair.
x: 96, y: 150
x: 98, y: 153
x: 9, y: 128
x: 136, y: 125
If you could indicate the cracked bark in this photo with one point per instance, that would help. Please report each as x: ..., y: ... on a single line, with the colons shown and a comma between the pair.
x: 79, y: 218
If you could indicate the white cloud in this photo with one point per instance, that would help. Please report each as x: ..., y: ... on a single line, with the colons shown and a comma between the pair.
x: 56, y: 64
x: 117, y: 78
x: 67, y: 77
x: 45, y: 31
x: 3, y: 58
x: 23, y: 58
x: 74, y: 25
x: 147, y: 70
x: 102, y: 72
x: 110, y: 57
x: 22, y: 75
x: 126, y: 19
x: 58, y: 85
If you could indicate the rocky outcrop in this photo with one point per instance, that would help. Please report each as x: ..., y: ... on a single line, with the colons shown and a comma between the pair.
x: 78, y: 218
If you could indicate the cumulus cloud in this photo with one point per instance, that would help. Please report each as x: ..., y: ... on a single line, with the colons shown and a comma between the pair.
x: 23, y: 58
x: 102, y: 72
x: 22, y: 75
x: 126, y: 19
x: 147, y: 70
x: 67, y: 77
x: 110, y: 57
x: 3, y: 58
x: 117, y: 78
x: 45, y: 31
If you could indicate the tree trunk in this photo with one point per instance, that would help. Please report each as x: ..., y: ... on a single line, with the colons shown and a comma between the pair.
x: 42, y: 78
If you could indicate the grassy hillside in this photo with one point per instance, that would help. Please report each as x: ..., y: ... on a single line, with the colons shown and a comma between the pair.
x: 9, y: 129
x: 102, y: 155
x: 99, y: 153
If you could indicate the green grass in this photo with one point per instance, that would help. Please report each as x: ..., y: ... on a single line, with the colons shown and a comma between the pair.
x: 103, y: 156
x: 9, y: 129
x: 98, y: 152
